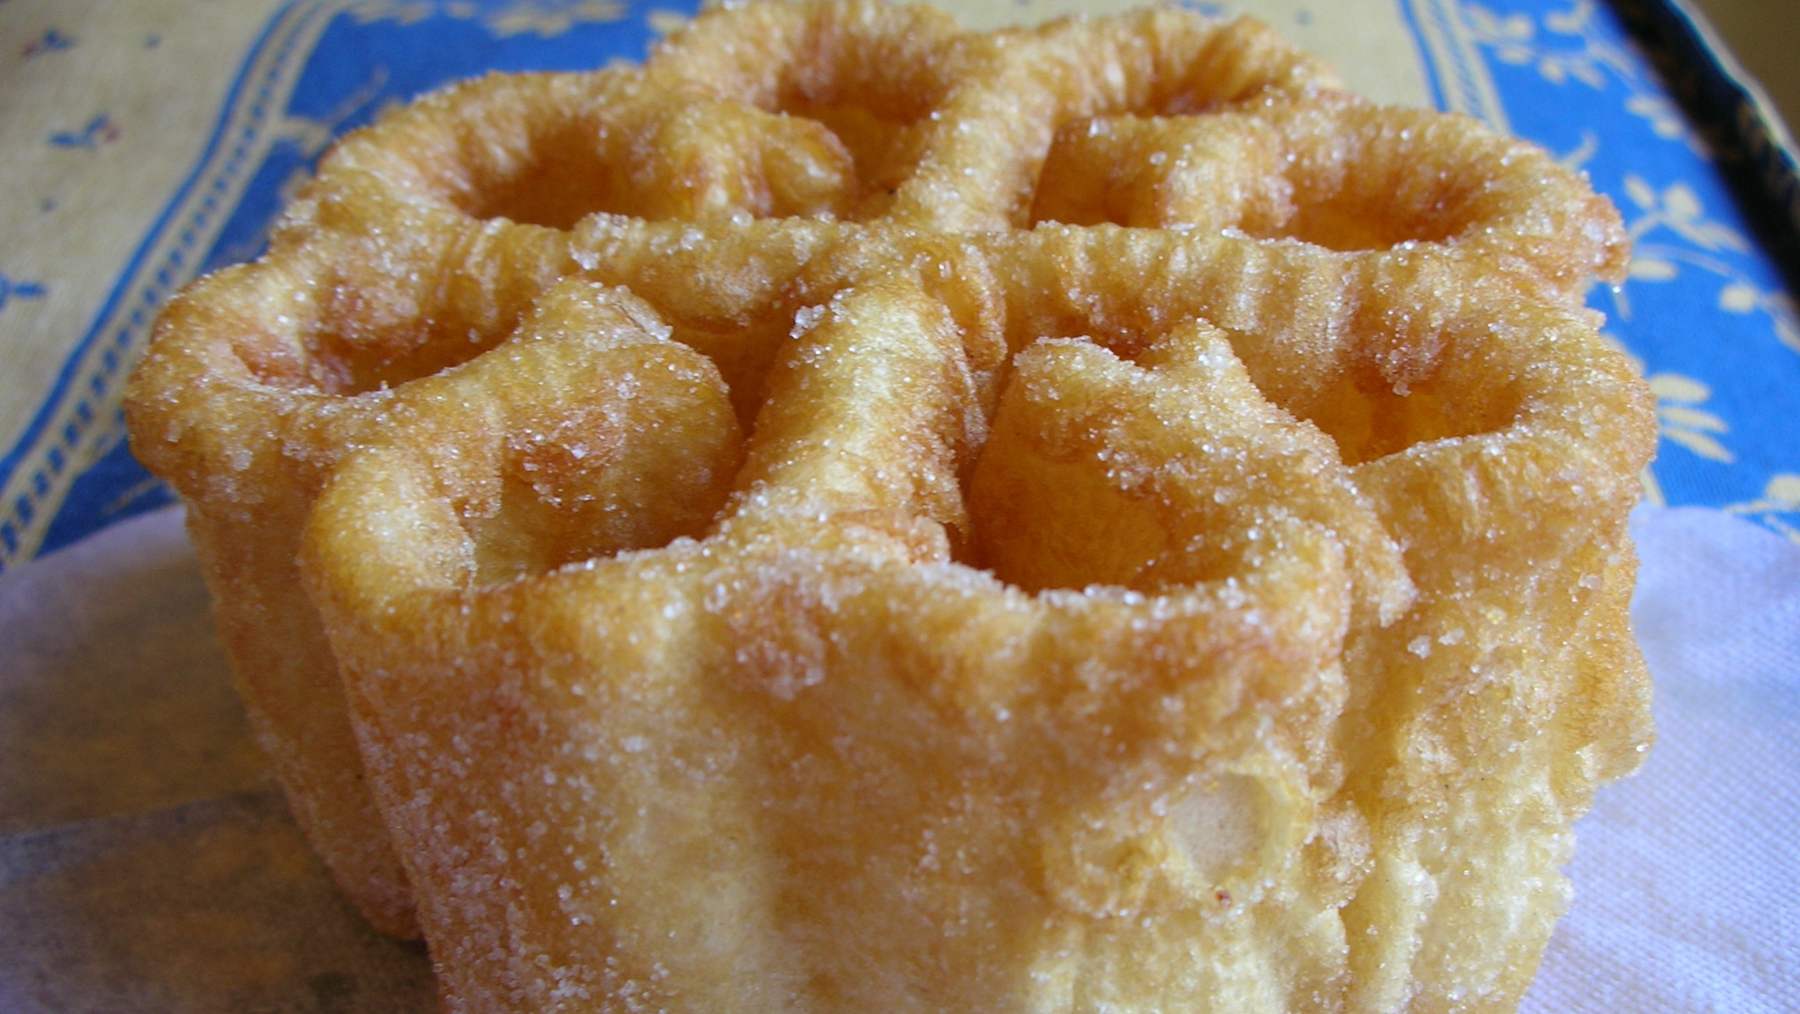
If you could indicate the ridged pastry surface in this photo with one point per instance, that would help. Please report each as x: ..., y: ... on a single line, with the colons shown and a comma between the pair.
x: 855, y: 514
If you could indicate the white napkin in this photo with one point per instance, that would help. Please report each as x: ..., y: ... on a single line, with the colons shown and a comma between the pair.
x: 145, y: 862
x: 1687, y: 876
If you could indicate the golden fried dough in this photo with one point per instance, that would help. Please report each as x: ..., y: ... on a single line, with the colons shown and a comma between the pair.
x: 860, y: 515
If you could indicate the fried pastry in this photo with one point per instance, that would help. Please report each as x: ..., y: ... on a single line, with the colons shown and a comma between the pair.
x: 856, y: 514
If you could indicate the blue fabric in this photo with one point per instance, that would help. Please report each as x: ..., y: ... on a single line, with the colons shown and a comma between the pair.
x: 1705, y: 309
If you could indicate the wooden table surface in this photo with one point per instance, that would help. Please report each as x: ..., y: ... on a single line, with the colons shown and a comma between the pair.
x: 1762, y: 34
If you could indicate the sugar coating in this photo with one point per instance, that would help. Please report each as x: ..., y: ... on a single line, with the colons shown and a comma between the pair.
x: 860, y: 515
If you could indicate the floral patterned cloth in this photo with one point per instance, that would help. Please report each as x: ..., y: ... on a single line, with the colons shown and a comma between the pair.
x: 139, y: 151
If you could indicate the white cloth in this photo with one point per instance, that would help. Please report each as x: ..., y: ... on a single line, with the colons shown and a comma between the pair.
x: 1687, y: 876
x: 162, y: 873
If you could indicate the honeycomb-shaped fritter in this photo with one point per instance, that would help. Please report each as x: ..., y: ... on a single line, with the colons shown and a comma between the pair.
x: 855, y: 514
